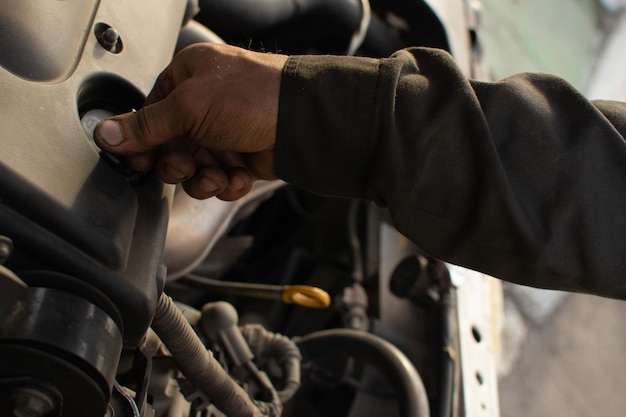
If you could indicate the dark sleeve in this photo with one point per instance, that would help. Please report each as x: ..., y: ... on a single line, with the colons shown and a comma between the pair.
x: 523, y: 179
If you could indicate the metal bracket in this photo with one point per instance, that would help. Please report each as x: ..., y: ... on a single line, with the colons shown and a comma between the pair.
x: 479, y: 301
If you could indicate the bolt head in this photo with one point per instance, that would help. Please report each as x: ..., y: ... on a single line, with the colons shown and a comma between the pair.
x: 110, y: 37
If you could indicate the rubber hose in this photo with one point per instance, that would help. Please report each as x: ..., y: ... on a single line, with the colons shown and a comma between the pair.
x: 385, y: 357
x: 264, y: 343
x: 448, y: 384
x: 202, y: 369
x: 251, y: 16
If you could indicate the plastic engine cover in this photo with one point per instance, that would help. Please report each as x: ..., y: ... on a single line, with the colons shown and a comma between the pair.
x: 64, y: 207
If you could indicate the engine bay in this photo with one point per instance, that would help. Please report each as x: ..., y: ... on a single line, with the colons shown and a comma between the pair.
x: 121, y: 296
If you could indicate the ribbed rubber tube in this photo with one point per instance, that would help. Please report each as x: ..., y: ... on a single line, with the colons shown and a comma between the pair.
x: 264, y: 344
x: 202, y: 369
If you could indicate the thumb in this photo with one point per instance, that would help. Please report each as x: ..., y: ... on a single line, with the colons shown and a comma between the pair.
x: 140, y: 131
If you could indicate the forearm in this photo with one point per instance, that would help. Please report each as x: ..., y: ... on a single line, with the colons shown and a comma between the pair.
x: 523, y: 179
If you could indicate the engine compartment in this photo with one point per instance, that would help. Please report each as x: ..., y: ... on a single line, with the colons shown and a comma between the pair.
x: 91, y: 253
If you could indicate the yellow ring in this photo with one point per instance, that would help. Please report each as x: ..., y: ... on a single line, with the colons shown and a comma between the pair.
x: 305, y: 296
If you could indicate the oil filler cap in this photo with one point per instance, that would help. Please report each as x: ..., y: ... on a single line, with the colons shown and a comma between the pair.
x: 89, y: 120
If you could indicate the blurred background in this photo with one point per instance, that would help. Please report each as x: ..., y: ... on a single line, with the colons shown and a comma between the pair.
x: 563, y: 354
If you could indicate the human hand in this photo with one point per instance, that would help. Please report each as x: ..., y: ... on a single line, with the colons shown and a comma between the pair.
x: 209, y: 122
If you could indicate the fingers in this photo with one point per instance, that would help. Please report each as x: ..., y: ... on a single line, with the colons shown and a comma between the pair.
x: 240, y: 179
x: 240, y: 183
x: 207, y: 182
x: 140, y: 131
x: 175, y: 167
x: 203, y: 174
x: 213, y: 181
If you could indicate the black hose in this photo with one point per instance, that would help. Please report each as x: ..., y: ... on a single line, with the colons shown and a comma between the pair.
x: 385, y: 357
x: 228, y: 17
x: 254, y: 16
x: 202, y: 369
x: 195, y: 32
x: 448, y: 384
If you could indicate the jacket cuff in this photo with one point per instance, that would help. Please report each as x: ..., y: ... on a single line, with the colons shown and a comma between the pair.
x: 326, y: 123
